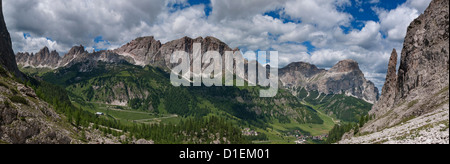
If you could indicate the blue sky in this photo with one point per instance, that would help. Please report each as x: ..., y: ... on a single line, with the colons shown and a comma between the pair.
x: 321, y: 32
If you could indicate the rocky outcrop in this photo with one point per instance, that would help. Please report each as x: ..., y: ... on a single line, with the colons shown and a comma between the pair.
x: 387, y: 99
x: 424, y: 62
x: 142, y: 50
x: 25, y: 119
x: 7, y: 59
x: 344, y: 78
x: 345, y: 66
x: 416, y: 100
x: 76, y: 52
x: 431, y: 128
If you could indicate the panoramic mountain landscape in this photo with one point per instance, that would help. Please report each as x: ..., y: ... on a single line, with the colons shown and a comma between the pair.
x: 123, y: 94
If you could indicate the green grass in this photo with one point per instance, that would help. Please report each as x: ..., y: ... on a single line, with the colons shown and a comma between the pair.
x: 124, y: 74
x: 34, y: 71
x: 319, y: 129
x: 127, y: 115
x: 277, y: 134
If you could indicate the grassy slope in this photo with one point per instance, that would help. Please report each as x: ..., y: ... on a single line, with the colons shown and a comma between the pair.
x: 34, y: 71
x: 219, y: 102
x: 340, y: 107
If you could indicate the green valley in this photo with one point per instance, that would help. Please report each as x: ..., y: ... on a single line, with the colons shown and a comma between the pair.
x: 131, y: 95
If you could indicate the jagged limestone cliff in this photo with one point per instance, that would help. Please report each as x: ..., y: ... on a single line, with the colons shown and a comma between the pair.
x: 344, y: 78
x: 414, y: 104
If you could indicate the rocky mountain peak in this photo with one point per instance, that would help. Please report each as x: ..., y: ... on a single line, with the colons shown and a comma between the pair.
x: 42, y: 59
x: 141, y: 42
x: 425, y: 57
x: 44, y: 50
x: 306, y: 69
x: 345, y: 66
x: 344, y: 78
x: 77, y: 50
x: 389, y: 90
x: 141, y: 50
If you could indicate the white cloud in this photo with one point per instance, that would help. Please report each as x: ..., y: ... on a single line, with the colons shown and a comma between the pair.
x: 419, y: 5
x: 300, y: 34
x: 34, y: 44
x: 322, y: 13
x: 368, y: 37
x: 79, y: 21
x: 374, y: 1
x: 394, y: 23
x: 289, y: 53
x: 239, y: 9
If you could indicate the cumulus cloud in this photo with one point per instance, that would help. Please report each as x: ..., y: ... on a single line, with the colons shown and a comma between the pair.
x: 29, y: 43
x: 72, y: 22
x: 238, y: 9
x: 419, y: 5
x: 322, y: 13
x: 368, y: 37
x: 394, y: 23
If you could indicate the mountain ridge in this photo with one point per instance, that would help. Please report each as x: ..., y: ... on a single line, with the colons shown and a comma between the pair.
x: 343, y: 78
x: 144, y: 51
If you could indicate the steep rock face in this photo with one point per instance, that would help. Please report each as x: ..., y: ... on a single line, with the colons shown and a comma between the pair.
x: 344, y: 78
x: 7, y: 59
x: 345, y: 66
x: 416, y: 101
x: 296, y: 73
x: 74, y: 53
x: 141, y: 50
x: 425, y: 60
x: 387, y: 99
x: 187, y: 44
x: 43, y: 59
